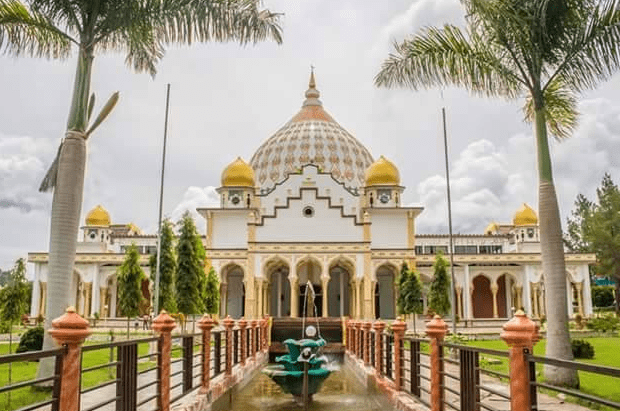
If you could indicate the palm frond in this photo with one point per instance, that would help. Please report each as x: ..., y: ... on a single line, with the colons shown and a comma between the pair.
x: 593, y: 55
x: 24, y: 31
x: 560, y: 105
x: 444, y: 57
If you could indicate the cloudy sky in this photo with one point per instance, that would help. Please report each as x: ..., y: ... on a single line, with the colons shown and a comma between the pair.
x: 226, y: 100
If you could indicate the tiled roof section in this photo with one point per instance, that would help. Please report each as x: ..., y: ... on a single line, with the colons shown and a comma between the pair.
x: 312, y: 113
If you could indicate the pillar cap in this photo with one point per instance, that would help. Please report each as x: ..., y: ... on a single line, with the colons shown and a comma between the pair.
x: 242, y: 323
x: 379, y: 325
x: 163, y: 323
x: 206, y: 323
x: 366, y: 325
x: 436, y: 328
x: 69, y: 328
x: 254, y: 323
x: 399, y: 325
x: 520, y: 331
x: 228, y: 322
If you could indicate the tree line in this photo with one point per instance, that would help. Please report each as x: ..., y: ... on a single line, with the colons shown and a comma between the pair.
x: 183, y: 286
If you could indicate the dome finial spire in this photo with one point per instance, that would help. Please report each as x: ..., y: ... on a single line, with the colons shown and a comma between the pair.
x: 312, y: 94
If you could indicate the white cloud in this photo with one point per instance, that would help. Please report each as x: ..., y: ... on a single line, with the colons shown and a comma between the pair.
x: 196, y: 197
x: 489, y: 181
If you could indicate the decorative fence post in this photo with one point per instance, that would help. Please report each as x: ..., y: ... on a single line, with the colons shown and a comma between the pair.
x: 254, y: 332
x: 366, y: 325
x: 347, y: 340
x: 358, y: 348
x: 436, y: 329
x: 71, y: 330
x: 378, y: 326
x: 164, y: 324
x: 399, y: 327
x: 263, y: 332
x: 228, y: 325
x: 519, y: 333
x: 244, y: 345
x: 206, y: 324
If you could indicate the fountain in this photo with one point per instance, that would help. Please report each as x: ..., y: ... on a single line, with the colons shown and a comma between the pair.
x: 302, y: 371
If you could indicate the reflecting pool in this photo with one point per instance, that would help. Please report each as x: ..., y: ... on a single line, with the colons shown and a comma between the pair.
x: 339, y: 392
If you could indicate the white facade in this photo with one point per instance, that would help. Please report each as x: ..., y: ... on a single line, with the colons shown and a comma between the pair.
x: 313, y: 207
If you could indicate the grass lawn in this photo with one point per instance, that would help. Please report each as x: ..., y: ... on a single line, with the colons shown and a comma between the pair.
x: 606, y: 353
x: 25, y: 371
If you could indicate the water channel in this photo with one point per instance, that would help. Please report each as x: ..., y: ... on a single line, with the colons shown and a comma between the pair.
x: 339, y: 392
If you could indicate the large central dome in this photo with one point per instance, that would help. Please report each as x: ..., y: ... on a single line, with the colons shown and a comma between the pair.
x: 312, y: 136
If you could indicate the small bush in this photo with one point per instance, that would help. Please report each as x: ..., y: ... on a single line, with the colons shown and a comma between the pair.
x: 602, y: 295
x: 582, y: 349
x: 604, y: 324
x: 5, y: 327
x: 31, y: 340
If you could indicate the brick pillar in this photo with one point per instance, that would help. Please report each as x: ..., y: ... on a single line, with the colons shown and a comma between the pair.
x: 519, y: 333
x: 244, y: 345
x: 228, y: 326
x: 399, y: 327
x: 366, y: 325
x: 378, y: 326
x: 436, y: 329
x: 263, y: 332
x: 71, y: 330
x: 206, y: 324
x: 358, y: 331
x: 354, y: 338
x: 347, y: 337
x: 164, y: 324
x: 254, y: 337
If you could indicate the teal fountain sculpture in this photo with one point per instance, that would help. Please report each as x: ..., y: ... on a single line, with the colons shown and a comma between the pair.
x: 302, y: 371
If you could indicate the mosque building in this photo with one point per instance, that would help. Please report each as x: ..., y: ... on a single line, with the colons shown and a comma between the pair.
x: 314, y: 206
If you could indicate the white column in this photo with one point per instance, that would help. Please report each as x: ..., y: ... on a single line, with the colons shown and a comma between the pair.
x: 279, y: 293
x: 294, y: 280
x: 569, y: 297
x: 94, y: 299
x: 527, y: 295
x: 36, y: 292
x: 325, y: 286
x: 494, y: 288
x: 587, y: 297
x: 467, y: 313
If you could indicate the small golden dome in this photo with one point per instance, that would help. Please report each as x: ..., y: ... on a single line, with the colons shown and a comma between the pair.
x: 491, y: 228
x: 238, y: 174
x: 382, y: 172
x: 525, y: 216
x: 98, y: 216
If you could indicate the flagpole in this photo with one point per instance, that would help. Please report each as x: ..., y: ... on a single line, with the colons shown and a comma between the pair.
x: 451, y: 250
x: 161, y: 203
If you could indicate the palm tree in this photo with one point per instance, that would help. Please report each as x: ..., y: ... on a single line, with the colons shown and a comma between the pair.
x: 140, y: 29
x: 546, y: 51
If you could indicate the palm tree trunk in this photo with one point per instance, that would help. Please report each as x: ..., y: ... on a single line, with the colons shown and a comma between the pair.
x: 553, y: 265
x: 66, y: 207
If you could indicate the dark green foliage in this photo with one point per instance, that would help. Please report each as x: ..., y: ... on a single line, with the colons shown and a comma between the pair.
x: 190, y: 271
x: 168, y: 267
x: 439, y: 294
x: 212, y: 293
x: 595, y: 227
x: 14, y: 296
x: 409, y: 292
x: 582, y: 349
x: 31, y: 340
x: 602, y: 295
x: 4, y: 277
x: 5, y: 327
x: 129, y: 277
x: 603, y: 324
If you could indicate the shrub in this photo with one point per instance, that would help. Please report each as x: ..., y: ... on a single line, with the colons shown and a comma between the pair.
x: 603, y: 324
x: 602, y: 295
x: 582, y: 349
x: 31, y: 340
x: 5, y: 327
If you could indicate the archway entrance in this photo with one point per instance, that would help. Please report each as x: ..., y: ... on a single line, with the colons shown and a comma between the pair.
x: 338, y: 289
x: 310, y: 270
x: 232, y: 292
x: 279, y: 289
x: 385, y: 292
x: 482, y: 297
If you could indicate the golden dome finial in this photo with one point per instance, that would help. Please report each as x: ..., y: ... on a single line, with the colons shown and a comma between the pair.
x: 98, y: 216
x: 312, y: 94
x: 382, y: 172
x: 238, y: 174
x: 525, y: 215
